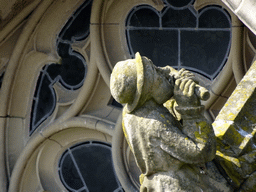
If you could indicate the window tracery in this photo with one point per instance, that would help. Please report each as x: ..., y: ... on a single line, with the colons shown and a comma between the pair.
x: 88, y: 167
x: 70, y: 72
x: 181, y: 36
x: 61, y: 87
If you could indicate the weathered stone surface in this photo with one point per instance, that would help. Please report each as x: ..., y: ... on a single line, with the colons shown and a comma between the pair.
x: 171, y: 155
x: 245, y: 10
x: 173, y: 144
x: 235, y: 128
x: 236, y: 123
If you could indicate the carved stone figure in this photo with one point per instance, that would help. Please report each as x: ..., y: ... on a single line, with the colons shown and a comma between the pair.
x: 172, y: 142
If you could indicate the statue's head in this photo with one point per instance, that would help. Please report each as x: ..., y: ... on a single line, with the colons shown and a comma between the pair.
x: 134, y: 81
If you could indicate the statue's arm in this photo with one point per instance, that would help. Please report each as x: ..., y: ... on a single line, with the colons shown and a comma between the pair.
x: 194, y: 144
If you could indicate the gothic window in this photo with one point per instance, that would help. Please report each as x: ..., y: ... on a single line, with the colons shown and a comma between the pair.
x: 63, y: 128
x: 70, y: 72
x: 181, y: 37
x: 88, y: 167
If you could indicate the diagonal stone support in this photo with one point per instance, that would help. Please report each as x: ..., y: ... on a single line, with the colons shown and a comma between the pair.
x: 235, y: 125
x: 245, y: 11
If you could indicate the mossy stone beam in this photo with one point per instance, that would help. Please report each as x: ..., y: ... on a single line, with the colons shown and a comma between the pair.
x: 236, y: 123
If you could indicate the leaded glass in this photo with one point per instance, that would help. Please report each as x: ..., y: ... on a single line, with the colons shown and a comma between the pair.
x: 77, y: 28
x: 69, y: 174
x: 88, y: 166
x: 44, y: 100
x: 201, y: 50
x: 144, y: 17
x: 72, y: 71
x: 1, y: 79
x: 213, y: 17
x: 179, y: 3
x: 159, y: 45
x: 178, y: 18
x: 185, y: 38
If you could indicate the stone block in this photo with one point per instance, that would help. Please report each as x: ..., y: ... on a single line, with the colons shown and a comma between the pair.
x: 235, y: 125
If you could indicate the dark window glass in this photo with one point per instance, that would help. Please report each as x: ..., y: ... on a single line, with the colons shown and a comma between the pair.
x: 113, y: 102
x: 53, y: 70
x: 204, y: 50
x: 161, y: 46
x: 196, y: 40
x: 69, y: 174
x: 213, y: 18
x: 144, y: 17
x: 91, y: 166
x: 71, y: 71
x: 63, y: 49
x: 179, y: 18
x: 44, y: 101
x: 77, y: 28
x: 1, y: 79
x: 179, y: 3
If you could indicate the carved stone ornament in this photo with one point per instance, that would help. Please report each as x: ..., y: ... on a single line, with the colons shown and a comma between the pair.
x: 173, y: 144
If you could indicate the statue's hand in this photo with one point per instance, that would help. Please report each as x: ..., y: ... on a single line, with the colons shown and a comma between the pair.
x: 183, y: 73
x: 184, y: 93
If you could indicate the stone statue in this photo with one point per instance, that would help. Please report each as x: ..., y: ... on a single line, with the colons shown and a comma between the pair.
x: 173, y: 144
